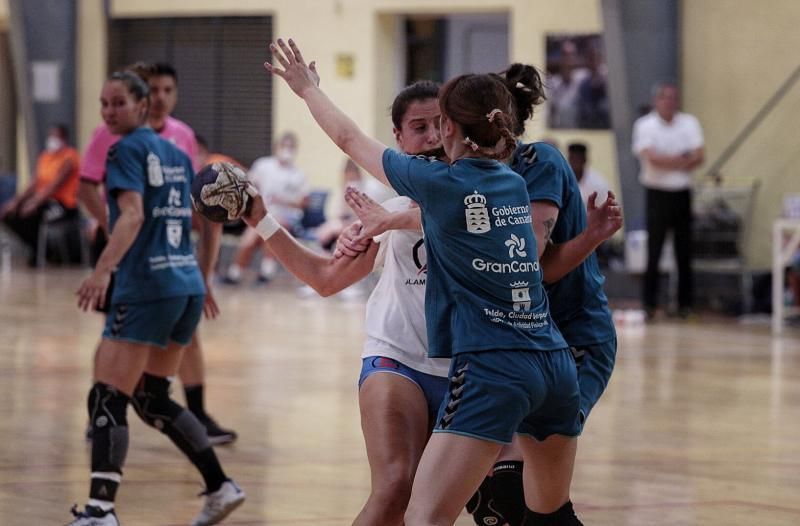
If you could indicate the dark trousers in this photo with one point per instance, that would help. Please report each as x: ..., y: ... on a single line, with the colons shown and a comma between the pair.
x: 27, y: 228
x: 669, y: 211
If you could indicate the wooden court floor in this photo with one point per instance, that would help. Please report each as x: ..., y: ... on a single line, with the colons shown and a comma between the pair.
x: 700, y: 425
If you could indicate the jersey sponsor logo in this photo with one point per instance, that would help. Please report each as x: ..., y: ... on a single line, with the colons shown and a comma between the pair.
x: 155, y: 176
x: 420, y: 260
x: 516, y: 246
x: 496, y: 267
x: 512, y: 215
x: 521, y: 296
x: 477, y: 214
x: 174, y: 198
x: 174, y: 232
x: 174, y: 174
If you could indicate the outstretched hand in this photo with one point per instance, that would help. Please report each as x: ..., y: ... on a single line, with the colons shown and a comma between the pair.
x: 299, y: 76
x: 374, y: 218
x: 603, y: 221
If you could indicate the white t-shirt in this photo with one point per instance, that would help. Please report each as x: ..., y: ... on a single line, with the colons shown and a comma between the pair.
x: 678, y: 137
x: 591, y: 182
x: 395, y: 320
x: 279, y: 184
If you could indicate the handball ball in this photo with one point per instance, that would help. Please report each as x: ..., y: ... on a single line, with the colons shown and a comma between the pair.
x: 221, y: 192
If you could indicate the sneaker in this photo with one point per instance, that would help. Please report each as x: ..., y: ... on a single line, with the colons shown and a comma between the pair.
x: 93, y: 516
x: 219, y: 504
x: 217, y: 435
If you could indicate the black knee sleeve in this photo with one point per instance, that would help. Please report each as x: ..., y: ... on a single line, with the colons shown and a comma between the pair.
x: 157, y: 409
x: 154, y: 405
x: 107, y: 414
x: 482, y: 506
x: 508, y: 492
x: 563, y: 516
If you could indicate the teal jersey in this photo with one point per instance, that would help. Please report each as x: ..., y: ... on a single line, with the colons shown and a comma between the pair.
x: 161, y: 262
x: 484, y: 288
x: 578, y: 303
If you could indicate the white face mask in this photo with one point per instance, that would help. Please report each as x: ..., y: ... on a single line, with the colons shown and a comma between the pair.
x: 53, y: 143
x: 285, y: 155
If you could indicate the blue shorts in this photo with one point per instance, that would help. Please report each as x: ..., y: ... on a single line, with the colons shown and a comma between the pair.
x: 155, y: 322
x: 494, y: 394
x: 595, y: 364
x: 433, y: 387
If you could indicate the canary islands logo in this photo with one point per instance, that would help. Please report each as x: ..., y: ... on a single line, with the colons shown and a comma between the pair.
x: 477, y: 214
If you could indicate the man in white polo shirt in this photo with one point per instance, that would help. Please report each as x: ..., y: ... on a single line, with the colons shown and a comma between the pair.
x: 669, y: 145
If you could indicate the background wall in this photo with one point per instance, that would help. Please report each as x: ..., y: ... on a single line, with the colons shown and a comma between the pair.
x: 367, y: 30
x: 735, y: 55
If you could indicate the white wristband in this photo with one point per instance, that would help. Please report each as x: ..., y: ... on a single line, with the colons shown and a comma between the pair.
x: 267, y: 227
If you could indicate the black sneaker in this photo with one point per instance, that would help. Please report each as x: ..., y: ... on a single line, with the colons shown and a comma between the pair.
x: 93, y: 516
x: 217, y: 435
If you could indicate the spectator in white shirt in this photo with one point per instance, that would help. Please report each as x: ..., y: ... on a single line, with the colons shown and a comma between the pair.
x: 669, y: 145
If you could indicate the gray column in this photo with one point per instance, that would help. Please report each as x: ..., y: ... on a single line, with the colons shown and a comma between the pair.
x: 43, y: 34
x: 641, y: 41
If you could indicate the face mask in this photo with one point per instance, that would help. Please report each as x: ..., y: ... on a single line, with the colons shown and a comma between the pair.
x: 53, y: 144
x: 285, y: 155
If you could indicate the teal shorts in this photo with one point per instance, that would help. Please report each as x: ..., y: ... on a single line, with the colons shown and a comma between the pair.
x: 595, y: 365
x: 157, y: 322
x: 494, y: 394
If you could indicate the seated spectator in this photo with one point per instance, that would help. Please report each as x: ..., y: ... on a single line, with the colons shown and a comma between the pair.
x: 285, y: 189
x: 589, y: 179
x: 51, y: 196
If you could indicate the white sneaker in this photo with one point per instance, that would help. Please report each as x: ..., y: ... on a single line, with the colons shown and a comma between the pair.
x: 93, y: 516
x: 219, y: 504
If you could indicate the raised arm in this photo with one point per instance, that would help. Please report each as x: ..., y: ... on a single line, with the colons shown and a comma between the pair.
x: 304, y: 81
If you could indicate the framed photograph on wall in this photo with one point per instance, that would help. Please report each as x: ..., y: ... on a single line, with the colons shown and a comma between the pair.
x: 577, y: 87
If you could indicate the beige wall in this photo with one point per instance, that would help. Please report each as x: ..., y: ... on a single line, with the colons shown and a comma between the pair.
x: 730, y: 69
x: 366, y: 29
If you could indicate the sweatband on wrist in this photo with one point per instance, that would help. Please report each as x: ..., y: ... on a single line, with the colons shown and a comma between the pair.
x: 267, y: 227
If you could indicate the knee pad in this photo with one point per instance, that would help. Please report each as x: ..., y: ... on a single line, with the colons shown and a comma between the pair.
x: 108, y: 416
x: 152, y: 402
x: 154, y: 405
x: 508, y: 492
x: 482, y: 506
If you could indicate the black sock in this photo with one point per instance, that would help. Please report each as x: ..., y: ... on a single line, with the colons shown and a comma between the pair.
x: 563, y: 516
x: 195, y: 400
x: 157, y: 409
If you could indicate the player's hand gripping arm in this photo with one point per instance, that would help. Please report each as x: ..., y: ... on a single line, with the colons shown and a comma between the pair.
x: 327, y: 275
x: 92, y: 292
x: 376, y: 219
x: 601, y: 223
x: 304, y: 81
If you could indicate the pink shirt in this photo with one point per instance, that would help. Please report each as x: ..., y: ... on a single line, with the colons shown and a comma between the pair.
x: 93, y: 163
